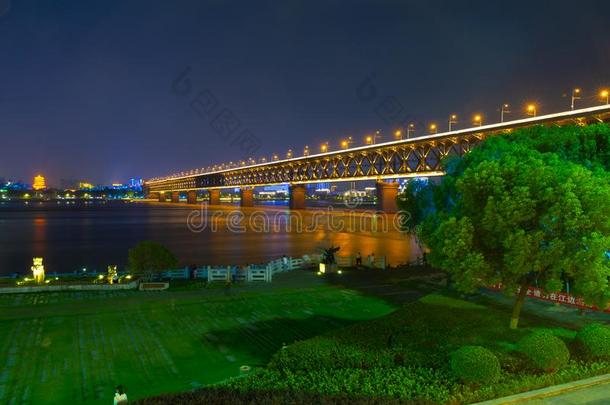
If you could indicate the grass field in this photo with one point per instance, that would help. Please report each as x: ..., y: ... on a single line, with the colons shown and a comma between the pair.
x: 74, y: 347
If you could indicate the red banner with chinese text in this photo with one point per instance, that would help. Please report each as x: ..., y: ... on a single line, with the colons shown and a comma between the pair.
x: 558, y: 297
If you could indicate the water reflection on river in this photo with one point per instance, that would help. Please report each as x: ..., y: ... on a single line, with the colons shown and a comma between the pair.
x: 93, y: 236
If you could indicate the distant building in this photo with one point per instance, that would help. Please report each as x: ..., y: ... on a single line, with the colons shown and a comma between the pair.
x: 136, y: 184
x: 39, y: 183
x: 83, y: 185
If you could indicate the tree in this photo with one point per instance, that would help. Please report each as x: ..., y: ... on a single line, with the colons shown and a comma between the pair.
x: 150, y: 258
x: 511, y: 215
x: 415, y: 203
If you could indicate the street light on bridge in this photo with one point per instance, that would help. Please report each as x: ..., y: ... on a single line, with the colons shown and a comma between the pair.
x: 324, y: 147
x: 346, y: 142
x: 410, y: 129
x: 531, y: 110
x: 433, y: 128
x: 398, y: 134
x: 504, y: 110
x: 452, y: 120
x: 477, y: 120
x: 289, y: 154
x: 575, y: 96
x: 604, y: 95
x: 306, y: 151
x: 372, y: 139
x: 275, y: 157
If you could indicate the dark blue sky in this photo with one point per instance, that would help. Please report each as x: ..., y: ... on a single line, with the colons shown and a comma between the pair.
x: 86, y: 86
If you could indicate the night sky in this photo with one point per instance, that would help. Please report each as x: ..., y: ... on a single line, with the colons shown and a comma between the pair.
x: 87, y: 92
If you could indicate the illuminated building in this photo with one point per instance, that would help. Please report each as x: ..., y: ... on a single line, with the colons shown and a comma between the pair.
x: 112, y: 274
x: 38, y: 270
x: 39, y: 183
x: 85, y: 186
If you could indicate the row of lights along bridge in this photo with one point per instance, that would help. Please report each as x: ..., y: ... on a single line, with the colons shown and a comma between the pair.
x: 477, y: 120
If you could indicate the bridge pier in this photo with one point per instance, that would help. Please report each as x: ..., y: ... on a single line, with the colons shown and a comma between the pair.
x: 297, y: 197
x: 175, y: 196
x: 191, y: 197
x: 247, y: 197
x: 214, y: 196
x: 386, y: 197
x: 161, y: 197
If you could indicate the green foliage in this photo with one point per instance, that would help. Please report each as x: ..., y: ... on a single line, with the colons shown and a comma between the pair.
x: 415, y: 204
x: 544, y: 351
x: 325, y: 353
x: 530, y: 205
x: 228, y: 396
x: 475, y: 365
x: 408, y: 383
x: 149, y: 257
x: 403, y: 357
x: 595, y: 340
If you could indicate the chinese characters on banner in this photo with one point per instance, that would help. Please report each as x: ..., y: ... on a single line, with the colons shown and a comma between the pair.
x: 559, y: 297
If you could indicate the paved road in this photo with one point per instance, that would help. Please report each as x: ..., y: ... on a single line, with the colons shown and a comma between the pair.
x: 596, y: 395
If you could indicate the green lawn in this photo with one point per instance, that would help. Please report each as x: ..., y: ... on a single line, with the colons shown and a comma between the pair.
x: 74, y: 347
x: 405, y: 356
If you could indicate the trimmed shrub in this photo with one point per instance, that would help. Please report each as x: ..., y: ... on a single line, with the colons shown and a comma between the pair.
x: 594, y: 339
x: 544, y: 351
x: 475, y: 365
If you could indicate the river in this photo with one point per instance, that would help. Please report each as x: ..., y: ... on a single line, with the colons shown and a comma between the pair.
x: 73, y: 236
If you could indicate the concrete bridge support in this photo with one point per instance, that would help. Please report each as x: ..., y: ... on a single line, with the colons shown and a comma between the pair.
x: 214, y: 196
x: 175, y: 196
x: 386, y: 197
x: 247, y: 197
x: 191, y: 197
x: 297, y: 196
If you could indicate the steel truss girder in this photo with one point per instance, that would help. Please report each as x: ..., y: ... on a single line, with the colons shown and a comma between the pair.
x: 386, y: 160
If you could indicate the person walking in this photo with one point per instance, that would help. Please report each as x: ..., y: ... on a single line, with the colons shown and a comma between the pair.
x: 120, y: 398
x: 358, y: 259
x: 372, y: 260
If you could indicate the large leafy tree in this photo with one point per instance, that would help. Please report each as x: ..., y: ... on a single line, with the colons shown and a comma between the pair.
x: 512, y: 212
x: 149, y: 258
x: 524, y: 216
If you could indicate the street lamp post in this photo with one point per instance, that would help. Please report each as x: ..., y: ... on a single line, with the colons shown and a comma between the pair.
x: 477, y: 120
x: 410, y: 129
x: 371, y: 139
x: 324, y: 147
x: 604, y: 95
x: 504, y: 110
x: 433, y: 128
x: 531, y: 110
x: 306, y: 151
x: 452, y: 120
x: 398, y: 134
x: 575, y: 96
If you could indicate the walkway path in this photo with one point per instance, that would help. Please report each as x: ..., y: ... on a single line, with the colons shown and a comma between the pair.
x: 596, y: 395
